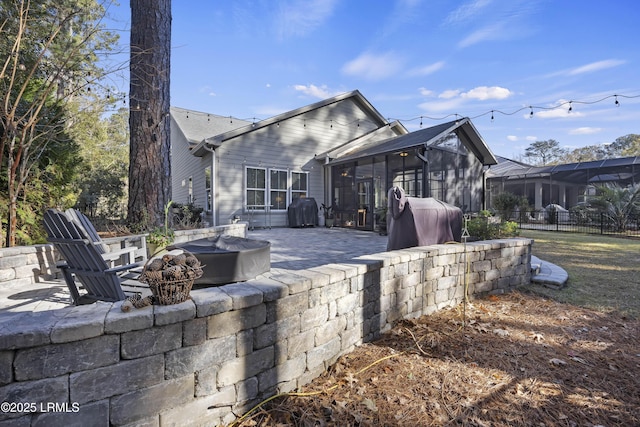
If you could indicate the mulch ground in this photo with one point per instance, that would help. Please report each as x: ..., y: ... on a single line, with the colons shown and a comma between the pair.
x: 511, y: 360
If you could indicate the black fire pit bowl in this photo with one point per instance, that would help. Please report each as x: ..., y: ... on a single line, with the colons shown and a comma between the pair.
x: 229, y: 259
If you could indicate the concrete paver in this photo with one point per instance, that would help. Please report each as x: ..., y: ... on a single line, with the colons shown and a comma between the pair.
x: 291, y: 249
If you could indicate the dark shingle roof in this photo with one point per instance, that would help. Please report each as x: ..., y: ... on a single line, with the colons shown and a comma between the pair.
x: 468, y: 135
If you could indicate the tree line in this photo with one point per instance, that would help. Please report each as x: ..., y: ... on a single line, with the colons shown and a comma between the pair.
x: 65, y: 140
x: 549, y: 152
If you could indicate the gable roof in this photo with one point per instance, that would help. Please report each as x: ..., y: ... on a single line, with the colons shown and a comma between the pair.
x: 467, y: 133
x: 218, y: 139
x: 197, y: 126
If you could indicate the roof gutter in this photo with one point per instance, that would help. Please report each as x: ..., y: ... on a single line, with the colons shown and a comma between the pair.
x: 213, y: 182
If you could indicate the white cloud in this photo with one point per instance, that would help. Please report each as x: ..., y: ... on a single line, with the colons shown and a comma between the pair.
x: 466, y: 11
x: 450, y: 93
x: 449, y: 106
x: 425, y: 92
x: 596, y: 66
x: 321, y: 92
x: 531, y: 138
x: 512, y: 138
x: 454, y: 98
x: 268, y: 85
x: 490, y: 32
x: 482, y: 93
x: 212, y: 94
x: 300, y: 17
x: 374, y: 67
x: 584, y: 131
x: 427, y: 69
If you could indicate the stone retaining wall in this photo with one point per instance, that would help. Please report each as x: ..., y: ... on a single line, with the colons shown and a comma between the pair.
x: 24, y: 265
x: 230, y: 347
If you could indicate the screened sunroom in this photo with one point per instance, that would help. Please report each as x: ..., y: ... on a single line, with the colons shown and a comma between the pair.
x: 446, y: 162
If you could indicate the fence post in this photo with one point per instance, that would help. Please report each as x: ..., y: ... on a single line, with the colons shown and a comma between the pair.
x: 601, y: 223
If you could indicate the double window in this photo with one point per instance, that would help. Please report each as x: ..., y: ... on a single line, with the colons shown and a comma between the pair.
x: 273, y: 187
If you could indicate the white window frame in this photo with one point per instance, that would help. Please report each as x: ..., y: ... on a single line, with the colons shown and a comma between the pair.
x: 289, y: 191
x: 247, y: 188
x: 285, y: 190
x: 303, y: 175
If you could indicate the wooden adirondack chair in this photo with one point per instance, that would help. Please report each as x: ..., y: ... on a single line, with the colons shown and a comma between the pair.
x: 84, y: 262
x: 125, y: 255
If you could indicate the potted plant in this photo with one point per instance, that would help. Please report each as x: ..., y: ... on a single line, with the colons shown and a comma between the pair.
x: 328, y: 215
x: 161, y: 237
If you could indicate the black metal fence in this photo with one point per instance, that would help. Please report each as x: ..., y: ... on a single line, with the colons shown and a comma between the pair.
x: 579, y: 222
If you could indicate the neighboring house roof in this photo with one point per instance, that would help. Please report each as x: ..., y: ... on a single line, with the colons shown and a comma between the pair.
x: 617, y: 169
x: 197, y: 126
x: 218, y: 139
x: 469, y: 136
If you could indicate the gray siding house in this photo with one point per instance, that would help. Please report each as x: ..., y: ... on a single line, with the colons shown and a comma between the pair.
x: 253, y: 170
x: 340, y: 152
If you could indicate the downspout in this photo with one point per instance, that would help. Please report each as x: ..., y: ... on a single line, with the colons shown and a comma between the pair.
x: 213, y: 184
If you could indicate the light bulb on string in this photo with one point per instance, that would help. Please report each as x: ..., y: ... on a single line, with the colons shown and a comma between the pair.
x: 617, y: 103
x: 531, y: 113
x: 492, y: 116
x: 570, y: 106
x: 420, y: 122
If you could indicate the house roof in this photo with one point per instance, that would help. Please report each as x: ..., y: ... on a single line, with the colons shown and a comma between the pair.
x: 218, y: 139
x: 362, y: 142
x: 621, y: 168
x: 197, y: 126
x: 468, y: 134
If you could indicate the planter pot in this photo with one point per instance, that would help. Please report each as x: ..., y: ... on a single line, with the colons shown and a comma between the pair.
x: 328, y: 222
x: 155, y: 249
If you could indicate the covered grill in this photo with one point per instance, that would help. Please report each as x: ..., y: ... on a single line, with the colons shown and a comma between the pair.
x: 303, y: 212
x: 413, y: 221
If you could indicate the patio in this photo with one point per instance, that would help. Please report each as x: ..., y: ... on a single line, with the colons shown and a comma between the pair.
x: 291, y: 249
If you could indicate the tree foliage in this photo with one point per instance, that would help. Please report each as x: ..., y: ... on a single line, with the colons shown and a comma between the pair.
x: 628, y: 145
x: 544, y: 152
x: 617, y: 203
x: 104, y: 145
x: 48, y: 56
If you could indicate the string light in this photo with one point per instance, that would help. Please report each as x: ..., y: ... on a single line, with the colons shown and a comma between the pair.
x: 491, y: 113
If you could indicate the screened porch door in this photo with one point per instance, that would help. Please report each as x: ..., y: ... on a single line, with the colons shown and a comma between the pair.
x: 364, y: 217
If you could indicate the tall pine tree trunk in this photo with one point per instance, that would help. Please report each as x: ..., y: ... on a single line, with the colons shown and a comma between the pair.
x: 150, y: 163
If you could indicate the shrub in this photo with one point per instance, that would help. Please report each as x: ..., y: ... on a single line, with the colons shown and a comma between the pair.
x: 505, y: 203
x: 482, y: 229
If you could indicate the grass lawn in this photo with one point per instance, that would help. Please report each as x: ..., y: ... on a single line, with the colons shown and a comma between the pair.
x: 604, y: 272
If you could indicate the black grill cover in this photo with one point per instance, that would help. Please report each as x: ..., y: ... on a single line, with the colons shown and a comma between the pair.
x: 413, y: 221
x: 228, y: 259
x: 303, y: 212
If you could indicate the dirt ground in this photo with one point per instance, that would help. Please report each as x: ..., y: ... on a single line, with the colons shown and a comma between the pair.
x: 512, y: 360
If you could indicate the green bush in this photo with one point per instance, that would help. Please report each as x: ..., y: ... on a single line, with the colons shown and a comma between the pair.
x: 482, y: 229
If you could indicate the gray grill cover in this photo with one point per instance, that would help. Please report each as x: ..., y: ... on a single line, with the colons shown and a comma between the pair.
x: 413, y: 221
x: 303, y: 212
x: 229, y: 259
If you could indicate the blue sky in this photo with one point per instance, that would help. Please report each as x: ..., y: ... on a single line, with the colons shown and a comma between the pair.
x: 418, y: 60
